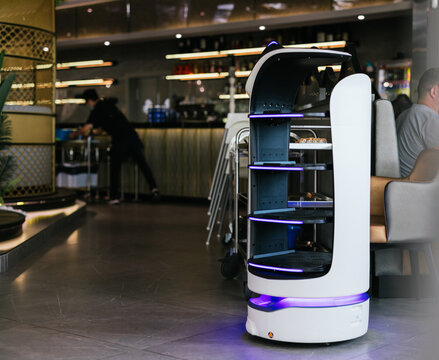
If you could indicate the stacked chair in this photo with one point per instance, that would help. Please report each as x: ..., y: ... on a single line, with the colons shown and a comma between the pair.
x: 221, y: 194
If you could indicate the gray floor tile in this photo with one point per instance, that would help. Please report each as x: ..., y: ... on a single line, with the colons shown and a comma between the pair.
x: 52, y: 303
x: 141, y: 355
x: 6, y: 324
x: 234, y: 343
x: 142, y: 325
x: 29, y: 342
x: 138, y: 282
x: 397, y: 352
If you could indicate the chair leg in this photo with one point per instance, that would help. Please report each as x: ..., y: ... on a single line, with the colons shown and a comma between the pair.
x: 431, y: 262
x: 414, y: 262
x: 374, y: 280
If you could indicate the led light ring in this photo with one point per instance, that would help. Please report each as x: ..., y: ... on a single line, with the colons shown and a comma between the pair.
x: 276, y: 221
x: 275, y: 268
x: 265, y: 116
x: 274, y: 42
x: 271, y: 303
x: 280, y: 168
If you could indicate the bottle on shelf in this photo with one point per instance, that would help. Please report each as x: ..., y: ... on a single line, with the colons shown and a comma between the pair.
x: 239, y: 87
x: 187, y: 46
x: 181, y: 46
x: 212, y: 68
x: 216, y: 45
x: 220, y: 67
x: 238, y: 64
x: 203, y: 44
x: 196, y: 45
x: 222, y: 43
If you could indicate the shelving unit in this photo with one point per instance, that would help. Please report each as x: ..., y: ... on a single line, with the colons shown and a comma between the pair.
x: 65, y: 67
x: 230, y: 56
x: 311, y: 289
x: 393, y: 78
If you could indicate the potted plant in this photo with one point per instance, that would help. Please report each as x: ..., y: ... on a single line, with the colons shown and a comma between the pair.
x: 11, y: 221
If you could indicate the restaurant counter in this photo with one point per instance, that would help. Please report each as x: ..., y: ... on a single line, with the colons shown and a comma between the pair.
x: 182, y: 159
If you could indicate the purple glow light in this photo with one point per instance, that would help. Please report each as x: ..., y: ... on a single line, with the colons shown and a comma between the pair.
x: 262, y: 116
x: 272, y: 303
x: 267, y: 267
x: 272, y: 42
x: 282, y: 168
x: 276, y: 221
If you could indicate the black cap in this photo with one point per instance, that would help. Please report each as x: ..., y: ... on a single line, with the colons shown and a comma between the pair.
x: 90, y: 94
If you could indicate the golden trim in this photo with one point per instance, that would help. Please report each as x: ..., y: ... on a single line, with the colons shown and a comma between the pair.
x: 32, y: 129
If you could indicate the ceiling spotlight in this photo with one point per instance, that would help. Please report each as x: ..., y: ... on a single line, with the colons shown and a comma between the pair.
x: 107, y: 43
x: 46, y: 49
x: 262, y: 27
x: 178, y: 36
x: 361, y: 17
x: 89, y: 10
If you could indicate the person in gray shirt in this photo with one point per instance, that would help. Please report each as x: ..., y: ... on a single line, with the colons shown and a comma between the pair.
x: 418, y: 127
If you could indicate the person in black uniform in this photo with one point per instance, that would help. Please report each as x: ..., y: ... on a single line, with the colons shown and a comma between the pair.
x: 124, y: 141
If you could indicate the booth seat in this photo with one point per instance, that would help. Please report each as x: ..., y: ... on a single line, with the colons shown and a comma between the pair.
x: 405, y: 212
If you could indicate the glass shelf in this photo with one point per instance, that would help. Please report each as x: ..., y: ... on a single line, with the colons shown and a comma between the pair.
x: 293, y: 216
x: 199, y: 76
x: 250, y: 51
x: 315, y: 201
x: 310, y: 146
x: 289, y: 166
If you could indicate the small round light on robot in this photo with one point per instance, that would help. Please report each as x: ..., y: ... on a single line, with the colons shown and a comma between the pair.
x: 262, y: 27
x: 361, y: 17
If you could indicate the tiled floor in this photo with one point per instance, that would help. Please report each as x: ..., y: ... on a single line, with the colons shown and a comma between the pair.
x: 136, y: 281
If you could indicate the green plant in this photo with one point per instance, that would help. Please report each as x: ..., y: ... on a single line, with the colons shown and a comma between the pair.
x: 6, y: 160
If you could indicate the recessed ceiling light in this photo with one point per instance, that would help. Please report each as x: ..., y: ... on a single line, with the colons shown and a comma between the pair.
x: 178, y: 36
x: 46, y: 49
x: 107, y: 43
x: 89, y: 10
x: 361, y: 17
x: 262, y: 27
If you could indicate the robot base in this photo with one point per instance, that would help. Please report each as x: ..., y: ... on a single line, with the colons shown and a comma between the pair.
x: 310, y: 325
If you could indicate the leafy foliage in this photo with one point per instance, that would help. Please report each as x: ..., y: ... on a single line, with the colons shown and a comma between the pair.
x: 6, y: 160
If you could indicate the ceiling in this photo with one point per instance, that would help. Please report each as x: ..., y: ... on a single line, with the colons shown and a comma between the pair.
x: 91, y: 22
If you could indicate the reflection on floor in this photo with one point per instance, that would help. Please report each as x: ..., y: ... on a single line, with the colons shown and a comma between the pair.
x: 38, y: 227
x: 136, y: 281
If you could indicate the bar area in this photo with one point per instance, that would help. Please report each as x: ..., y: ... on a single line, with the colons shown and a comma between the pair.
x: 219, y: 180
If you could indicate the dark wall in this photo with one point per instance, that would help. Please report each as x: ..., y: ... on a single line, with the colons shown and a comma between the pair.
x: 144, y: 63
